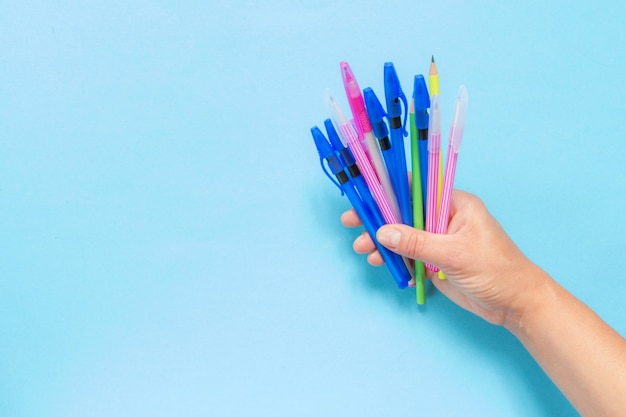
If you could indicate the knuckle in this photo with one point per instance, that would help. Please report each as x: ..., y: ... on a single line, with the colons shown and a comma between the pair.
x: 413, y: 244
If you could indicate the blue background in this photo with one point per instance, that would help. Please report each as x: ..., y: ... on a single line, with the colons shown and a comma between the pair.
x: 170, y: 245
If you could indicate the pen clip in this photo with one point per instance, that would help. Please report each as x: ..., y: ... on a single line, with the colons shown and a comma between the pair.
x: 405, y: 133
x: 329, y: 175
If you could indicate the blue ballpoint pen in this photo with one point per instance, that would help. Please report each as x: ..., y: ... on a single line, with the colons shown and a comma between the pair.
x: 355, y: 174
x: 394, y: 262
x: 377, y: 114
x: 393, y: 96
x: 421, y: 100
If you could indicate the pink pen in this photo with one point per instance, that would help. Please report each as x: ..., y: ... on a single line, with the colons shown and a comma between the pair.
x: 434, y: 149
x: 454, y: 144
x: 366, y: 134
x: 348, y: 134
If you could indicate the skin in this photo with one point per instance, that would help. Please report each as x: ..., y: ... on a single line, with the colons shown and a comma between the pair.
x: 489, y: 276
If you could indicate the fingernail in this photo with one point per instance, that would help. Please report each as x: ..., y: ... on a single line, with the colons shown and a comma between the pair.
x: 388, y: 236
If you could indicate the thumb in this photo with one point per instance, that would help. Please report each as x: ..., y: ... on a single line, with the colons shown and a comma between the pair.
x: 414, y: 243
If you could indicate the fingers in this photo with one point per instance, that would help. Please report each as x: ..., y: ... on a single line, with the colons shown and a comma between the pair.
x: 349, y: 218
x: 364, y: 245
x: 416, y: 244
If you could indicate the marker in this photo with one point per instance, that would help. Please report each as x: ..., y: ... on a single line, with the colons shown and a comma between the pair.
x: 393, y: 97
x: 454, y: 145
x: 326, y: 152
x: 434, y: 146
x: 346, y: 130
x: 365, y: 134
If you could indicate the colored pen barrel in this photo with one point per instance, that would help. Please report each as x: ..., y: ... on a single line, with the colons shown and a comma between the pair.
x: 394, y: 97
x: 418, y: 205
x: 434, y: 146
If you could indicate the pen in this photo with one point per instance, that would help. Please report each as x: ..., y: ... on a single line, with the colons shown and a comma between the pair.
x: 418, y: 199
x: 326, y: 152
x: 377, y: 115
x: 393, y: 96
x: 434, y: 146
x: 365, y: 134
x: 454, y: 144
x: 421, y: 104
x: 347, y: 131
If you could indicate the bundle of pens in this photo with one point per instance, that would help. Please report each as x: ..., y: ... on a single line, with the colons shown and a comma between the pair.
x: 367, y: 158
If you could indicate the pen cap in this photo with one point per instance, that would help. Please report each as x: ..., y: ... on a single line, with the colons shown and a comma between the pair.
x: 434, y: 124
x: 355, y: 98
x: 344, y: 126
x: 393, y: 91
x: 393, y: 96
x: 326, y: 151
x: 421, y: 97
x: 376, y: 113
x: 333, y: 136
x: 421, y: 101
x: 458, y: 120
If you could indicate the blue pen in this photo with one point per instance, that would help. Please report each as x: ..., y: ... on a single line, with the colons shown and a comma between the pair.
x: 355, y: 173
x: 377, y: 115
x: 394, y: 262
x: 421, y: 100
x: 393, y: 96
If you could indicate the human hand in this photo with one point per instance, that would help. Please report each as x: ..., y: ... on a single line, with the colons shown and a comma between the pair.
x: 486, y: 273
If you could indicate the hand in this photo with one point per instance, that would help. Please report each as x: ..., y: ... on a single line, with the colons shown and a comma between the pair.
x: 486, y: 273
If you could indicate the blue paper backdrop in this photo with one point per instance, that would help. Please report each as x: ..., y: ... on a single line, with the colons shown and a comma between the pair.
x: 170, y: 246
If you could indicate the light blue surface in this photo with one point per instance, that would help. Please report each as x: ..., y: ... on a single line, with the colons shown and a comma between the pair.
x: 170, y: 245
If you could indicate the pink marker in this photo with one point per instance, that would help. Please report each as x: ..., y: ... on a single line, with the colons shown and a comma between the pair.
x: 365, y: 134
x: 434, y: 149
x: 454, y: 144
x: 348, y: 134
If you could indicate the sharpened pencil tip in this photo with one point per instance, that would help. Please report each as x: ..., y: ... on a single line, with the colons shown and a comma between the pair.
x: 432, y: 58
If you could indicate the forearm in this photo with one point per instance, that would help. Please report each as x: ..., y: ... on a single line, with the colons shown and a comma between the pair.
x: 582, y: 355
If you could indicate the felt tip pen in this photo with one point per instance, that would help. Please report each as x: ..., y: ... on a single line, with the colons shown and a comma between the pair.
x: 346, y: 130
x: 454, y: 145
x: 434, y: 146
x: 326, y: 152
x: 365, y: 134
x: 395, y: 100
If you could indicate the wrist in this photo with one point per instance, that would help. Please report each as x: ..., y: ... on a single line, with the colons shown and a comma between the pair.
x: 531, y: 301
